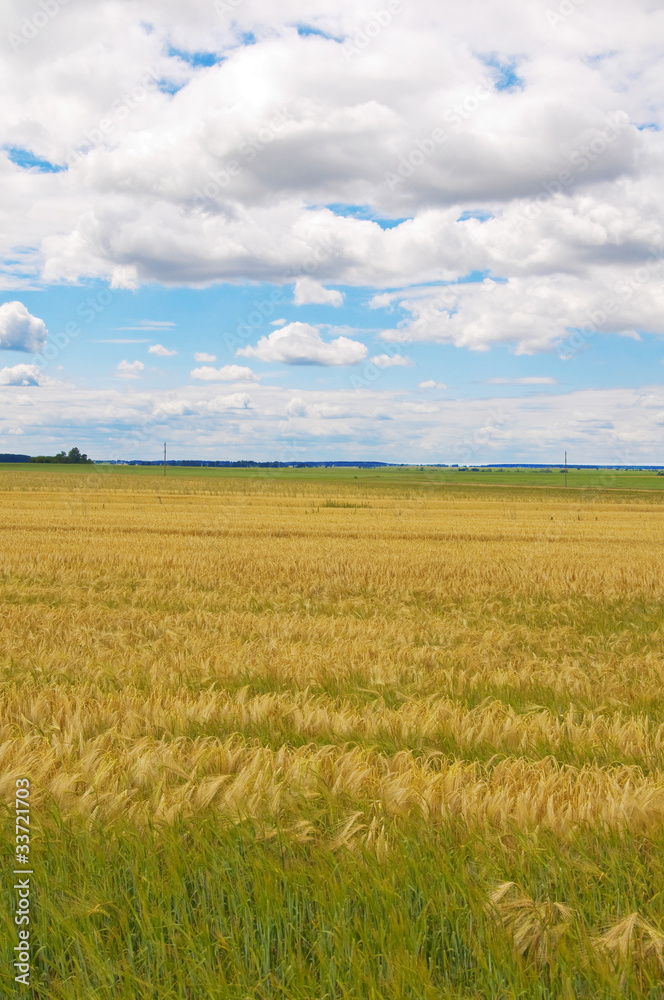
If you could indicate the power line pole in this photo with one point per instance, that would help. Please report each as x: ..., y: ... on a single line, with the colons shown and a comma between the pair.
x: 164, y: 458
x: 565, y: 468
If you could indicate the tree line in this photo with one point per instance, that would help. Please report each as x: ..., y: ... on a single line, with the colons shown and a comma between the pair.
x: 74, y: 457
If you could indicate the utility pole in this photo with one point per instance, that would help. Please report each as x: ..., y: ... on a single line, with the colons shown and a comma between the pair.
x: 165, y: 459
x: 565, y: 468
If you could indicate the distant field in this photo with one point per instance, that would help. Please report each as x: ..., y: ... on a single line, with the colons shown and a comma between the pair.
x: 307, y: 736
x: 406, y: 477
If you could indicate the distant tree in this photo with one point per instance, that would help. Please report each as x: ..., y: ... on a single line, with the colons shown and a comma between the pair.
x: 62, y: 458
x: 75, y: 456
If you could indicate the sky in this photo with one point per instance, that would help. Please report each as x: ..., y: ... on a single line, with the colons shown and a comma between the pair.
x: 403, y: 232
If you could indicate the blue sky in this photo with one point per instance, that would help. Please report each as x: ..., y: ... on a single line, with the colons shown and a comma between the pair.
x: 411, y: 235
x: 191, y: 321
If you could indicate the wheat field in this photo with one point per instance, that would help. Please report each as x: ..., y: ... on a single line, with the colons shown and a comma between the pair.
x: 314, y: 741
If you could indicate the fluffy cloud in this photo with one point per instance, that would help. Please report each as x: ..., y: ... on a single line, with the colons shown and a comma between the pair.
x: 19, y: 331
x: 130, y: 369
x: 297, y: 407
x: 236, y: 401
x: 391, y: 361
x: 535, y: 312
x: 431, y: 384
x: 161, y: 351
x: 201, y: 356
x: 310, y: 292
x: 227, y: 373
x: 20, y: 375
x: 302, y: 344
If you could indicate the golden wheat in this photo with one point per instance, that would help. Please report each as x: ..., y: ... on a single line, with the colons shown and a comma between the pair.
x: 162, y: 712
x: 154, y: 612
x: 330, y: 675
x: 146, y: 778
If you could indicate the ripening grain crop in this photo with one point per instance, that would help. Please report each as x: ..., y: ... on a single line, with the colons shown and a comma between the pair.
x: 350, y: 740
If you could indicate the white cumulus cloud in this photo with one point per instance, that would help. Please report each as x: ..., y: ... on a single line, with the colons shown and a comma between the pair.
x: 161, y: 351
x: 20, y: 375
x: 227, y: 373
x: 19, y: 331
x: 309, y: 292
x: 431, y: 383
x: 202, y: 357
x: 130, y: 369
x: 391, y: 361
x: 302, y: 344
x: 296, y: 407
x: 236, y: 401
